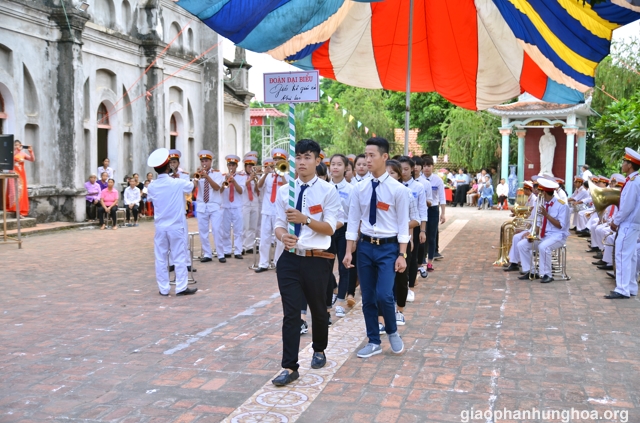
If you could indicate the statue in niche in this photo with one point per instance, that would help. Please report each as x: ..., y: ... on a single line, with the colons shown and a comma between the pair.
x: 547, y: 148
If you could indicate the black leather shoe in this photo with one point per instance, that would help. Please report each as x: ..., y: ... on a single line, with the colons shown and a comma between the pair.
x: 188, y: 291
x: 164, y: 295
x: 593, y: 250
x: 613, y: 295
x: 598, y: 256
x: 189, y: 269
x: 319, y: 360
x: 612, y: 275
x: 172, y: 268
x: 605, y: 267
x: 524, y: 277
x: 261, y: 269
x: 239, y: 257
x: 285, y: 378
x: 227, y: 255
x: 205, y: 259
x: 584, y: 234
x: 249, y: 251
x: 513, y: 267
x: 599, y: 263
x: 546, y: 279
x: 222, y: 260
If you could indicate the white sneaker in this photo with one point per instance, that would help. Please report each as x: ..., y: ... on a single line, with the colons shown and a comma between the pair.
x: 411, y: 296
x: 381, y: 328
x: 400, y: 318
x: 340, y: 311
x: 334, y: 298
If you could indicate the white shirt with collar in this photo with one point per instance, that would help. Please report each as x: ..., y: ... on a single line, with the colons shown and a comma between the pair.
x: 427, y: 188
x: 532, y: 200
x: 167, y: 195
x: 558, y: 209
x: 132, y: 195
x: 418, y: 191
x: 394, y: 221
x: 269, y: 208
x: 238, y: 201
x: 245, y: 191
x: 357, y: 178
x: 109, y: 171
x: 344, y: 191
x: 215, y: 199
x: 437, y: 190
x: 320, y: 202
x: 629, y: 213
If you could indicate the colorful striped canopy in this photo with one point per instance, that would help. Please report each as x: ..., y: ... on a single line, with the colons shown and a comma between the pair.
x: 476, y: 53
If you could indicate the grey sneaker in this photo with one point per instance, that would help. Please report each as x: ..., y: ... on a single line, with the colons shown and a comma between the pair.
x: 304, y: 327
x: 397, y: 346
x: 369, y: 350
x: 340, y: 311
x: 400, y: 318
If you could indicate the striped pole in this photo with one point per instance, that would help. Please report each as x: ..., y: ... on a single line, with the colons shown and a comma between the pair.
x: 292, y: 162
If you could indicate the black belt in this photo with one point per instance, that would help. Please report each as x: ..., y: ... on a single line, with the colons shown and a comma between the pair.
x: 379, y: 241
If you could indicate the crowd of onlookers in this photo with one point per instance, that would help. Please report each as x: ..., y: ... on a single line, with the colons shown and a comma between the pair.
x: 103, y: 198
x: 479, y: 190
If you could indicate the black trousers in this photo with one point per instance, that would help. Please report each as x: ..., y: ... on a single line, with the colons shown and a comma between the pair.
x: 417, y: 256
x: 461, y: 194
x: 112, y: 213
x: 433, y: 213
x: 303, y: 279
x: 135, y: 213
x: 91, y: 210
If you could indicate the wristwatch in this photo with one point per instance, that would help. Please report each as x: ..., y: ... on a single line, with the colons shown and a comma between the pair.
x: 403, y: 255
x: 308, y: 221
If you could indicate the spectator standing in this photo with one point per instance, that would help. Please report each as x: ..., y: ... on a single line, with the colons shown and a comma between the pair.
x: 92, y: 198
x: 462, y: 186
x: 105, y: 168
x: 132, y: 198
x: 108, y: 203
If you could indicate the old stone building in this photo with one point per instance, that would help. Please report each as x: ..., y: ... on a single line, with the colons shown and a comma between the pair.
x: 73, y: 86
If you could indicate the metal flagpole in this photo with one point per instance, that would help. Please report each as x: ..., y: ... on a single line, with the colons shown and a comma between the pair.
x: 408, y: 88
x: 292, y: 162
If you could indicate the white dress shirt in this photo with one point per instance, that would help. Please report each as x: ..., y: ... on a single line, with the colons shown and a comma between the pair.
x: 437, y: 190
x: 357, y: 178
x: 269, y: 208
x: 389, y: 223
x: 502, y: 189
x: 419, y: 194
x: 344, y: 191
x: 109, y: 171
x: 629, y: 212
x: 167, y: 195
x: 132, y: 195
x: 559, y: 211
x: 427, y: 188
x: 245, y: 191
x: 320, y: 202
x: 215, y: 199
x: 238, y: 201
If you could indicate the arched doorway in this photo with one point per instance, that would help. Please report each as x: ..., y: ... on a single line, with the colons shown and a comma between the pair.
x: 173, y: 132
x: 103, y: 133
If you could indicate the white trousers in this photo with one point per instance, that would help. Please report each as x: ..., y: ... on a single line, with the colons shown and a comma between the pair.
x: 213, y: 220
x: 266, y: 238
x: 250, y: 217
x: 514, y: 253
x: 173, y: 240
x: 607, y: 253
x: 626, y: 259
x: 232, y: 217
x: 598, y: 235
x: 545, y: 246
x: 582, y: 220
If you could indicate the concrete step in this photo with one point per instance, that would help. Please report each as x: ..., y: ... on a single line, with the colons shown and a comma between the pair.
x: 12, y: 223
x: 10, y: 215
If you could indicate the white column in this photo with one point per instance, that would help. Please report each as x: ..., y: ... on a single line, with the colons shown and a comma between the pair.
x: 505, y: 132
x: 521, y: 134
x: 582, y: 147
x: 571, y: 141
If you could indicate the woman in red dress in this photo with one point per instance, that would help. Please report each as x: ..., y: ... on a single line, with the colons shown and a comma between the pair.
x: 20, y: 155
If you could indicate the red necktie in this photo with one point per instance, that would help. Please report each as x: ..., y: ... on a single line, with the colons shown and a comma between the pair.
x: 274, y: 189
x: 611, y: 211
x: 625, y: 183
x: 206, y: 190
x: 544, y: 221
x: 231, y: 192
x: 250, y: 192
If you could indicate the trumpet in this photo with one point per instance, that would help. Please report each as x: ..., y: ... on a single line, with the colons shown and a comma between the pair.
x: 225, y: 184
x: 282, y: 167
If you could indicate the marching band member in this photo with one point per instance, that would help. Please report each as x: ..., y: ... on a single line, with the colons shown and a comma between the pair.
x: 582, y: 223
x: 168, y: 199
x: 232, y: 202
x: 554, y: 231
x: 208, y: 206
x: 362, y: 172
x: 514, y: 252
x: 627, y: 223
x: 269, y: 183
x: 304, y: 269
x: 380, y: 208
x: 603, y: 229
x: 177, y: 172
x: 576, y: 198
x: 251, y: 202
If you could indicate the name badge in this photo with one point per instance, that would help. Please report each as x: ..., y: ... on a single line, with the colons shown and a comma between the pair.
x: 315, y: 209
x: 382, y: 206
x: 415, y: 195
x: 434, y: 188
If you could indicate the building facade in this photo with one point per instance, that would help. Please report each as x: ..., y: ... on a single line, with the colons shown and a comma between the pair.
x: 118, y: 80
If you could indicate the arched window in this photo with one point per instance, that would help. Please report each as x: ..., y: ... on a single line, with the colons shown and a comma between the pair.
x: 103, y: 117
x: 173, y: 132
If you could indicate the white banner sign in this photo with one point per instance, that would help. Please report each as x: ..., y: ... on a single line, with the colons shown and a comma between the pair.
x: 291, y: 87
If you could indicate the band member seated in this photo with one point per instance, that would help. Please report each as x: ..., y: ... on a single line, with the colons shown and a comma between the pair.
x: 603, y: 228
x: 305, y: 266
x: 232, y: 202
x: 576, y: 198
x: 514, y: 253
x: 554, y: 230
x: 626, y: 223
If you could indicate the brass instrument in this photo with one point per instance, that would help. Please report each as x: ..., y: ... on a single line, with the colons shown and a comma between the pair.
x: 535, y: 229
x: 225, y: 184
x: 507, y: 231
x: 603, y: 197
x: 282, y: 167
x: 509, y: 228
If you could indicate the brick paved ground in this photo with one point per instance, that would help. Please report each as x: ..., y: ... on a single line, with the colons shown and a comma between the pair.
x: 84, y: 336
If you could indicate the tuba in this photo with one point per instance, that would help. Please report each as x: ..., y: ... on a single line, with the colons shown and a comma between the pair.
x: 535, y: 229
x: 282, y: 167
x: 603, y: 197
